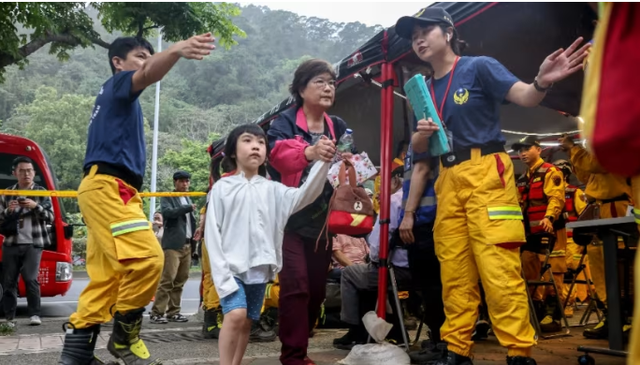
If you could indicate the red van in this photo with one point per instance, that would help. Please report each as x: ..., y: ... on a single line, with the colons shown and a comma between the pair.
x: 56, y: 270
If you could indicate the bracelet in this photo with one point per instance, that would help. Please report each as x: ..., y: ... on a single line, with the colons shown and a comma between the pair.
x: 540, y: 88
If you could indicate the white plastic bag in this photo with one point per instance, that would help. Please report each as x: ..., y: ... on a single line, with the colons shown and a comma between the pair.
x: 376, y: 353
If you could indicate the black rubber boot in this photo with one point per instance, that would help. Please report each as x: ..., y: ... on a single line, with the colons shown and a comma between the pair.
x: 600, y: 331
x: 212, y: 324
x: 79, y: 345
x: 551, y: 321
x: 452, y: 358
x: 125, y: 342
x: 520, y: 360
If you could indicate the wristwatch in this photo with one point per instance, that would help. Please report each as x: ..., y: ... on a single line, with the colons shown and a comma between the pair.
x: 550, y: 218
x: 540, y: 88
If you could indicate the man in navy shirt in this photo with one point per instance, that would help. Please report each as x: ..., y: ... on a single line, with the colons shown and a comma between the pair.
x: 124, y: 259
x: 416, y: 232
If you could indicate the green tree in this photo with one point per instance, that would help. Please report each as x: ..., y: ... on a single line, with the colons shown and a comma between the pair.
x: 59, y: 125
x: 192, y: 158
x: 68, y: 25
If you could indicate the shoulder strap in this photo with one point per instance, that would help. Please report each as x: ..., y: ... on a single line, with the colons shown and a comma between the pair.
x: 335, y: 120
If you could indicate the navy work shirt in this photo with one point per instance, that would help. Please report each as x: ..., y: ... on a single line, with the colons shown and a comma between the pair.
x: 116, y: 128
x: 472, y: 110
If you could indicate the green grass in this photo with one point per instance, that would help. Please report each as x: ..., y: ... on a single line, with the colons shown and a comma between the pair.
x: 5, y: 330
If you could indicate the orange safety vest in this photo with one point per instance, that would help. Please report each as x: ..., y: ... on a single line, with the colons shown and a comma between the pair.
x: 569, y: 213
x: 533, y: 198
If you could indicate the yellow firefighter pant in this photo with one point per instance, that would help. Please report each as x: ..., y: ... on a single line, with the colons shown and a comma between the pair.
x: 595, y: 252
x: 477, y: 233
x: 210, y: 298
x: 124, y: 258
x: 574, y: 253
x: 532, y: 264
x: 271, y: 295
x: 634, y: 343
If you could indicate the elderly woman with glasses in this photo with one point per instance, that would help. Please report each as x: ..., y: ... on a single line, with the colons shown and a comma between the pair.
x: 296, y: 137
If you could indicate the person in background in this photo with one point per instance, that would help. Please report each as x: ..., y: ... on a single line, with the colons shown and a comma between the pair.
x: 473, y: 238
x: 612, y: 193
x: 416, y: 233
x: 575, y: 202
x: 177, y: 243
x: 542, y: 193
x: 22, y: 248
x: 213, y: 317
x: 158, y: 227
x: 347, y: 251
x: 297, y: 137
x: 357, y: 279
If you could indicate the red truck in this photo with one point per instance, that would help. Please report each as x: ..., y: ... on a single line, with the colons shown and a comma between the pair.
x: 56, y: 270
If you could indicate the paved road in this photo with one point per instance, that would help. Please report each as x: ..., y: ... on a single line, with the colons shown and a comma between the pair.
x: 64, y: 306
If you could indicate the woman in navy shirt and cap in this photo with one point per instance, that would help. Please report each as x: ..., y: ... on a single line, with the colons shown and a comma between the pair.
x: 478, y: 227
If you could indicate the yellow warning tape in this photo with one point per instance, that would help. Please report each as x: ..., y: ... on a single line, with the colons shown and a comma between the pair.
x: 74, y: 194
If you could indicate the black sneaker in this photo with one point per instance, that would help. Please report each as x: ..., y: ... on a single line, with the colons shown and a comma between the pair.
x: 481, y: 331
x: 520, y: 360
x: 261, y: 334
x: 157, y: 319
x: 357, y: 335
x: 430, y: 352
x: 454, y: 359
x: 178, y: 318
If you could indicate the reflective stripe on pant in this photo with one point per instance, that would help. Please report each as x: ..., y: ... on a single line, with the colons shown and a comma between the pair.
x: 210, y: 298
x: 124, y: 258
x: 595, y: 252
x: 634, y: 343
x: 478, y: 231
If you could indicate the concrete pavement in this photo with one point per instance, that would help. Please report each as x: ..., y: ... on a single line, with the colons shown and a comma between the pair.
x: 182, y: 345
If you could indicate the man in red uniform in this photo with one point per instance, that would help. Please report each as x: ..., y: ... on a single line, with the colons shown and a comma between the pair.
x: 542, y: 196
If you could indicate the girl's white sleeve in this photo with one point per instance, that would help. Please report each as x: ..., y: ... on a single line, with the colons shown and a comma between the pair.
x: 294, y: 199
x: 220, y: 274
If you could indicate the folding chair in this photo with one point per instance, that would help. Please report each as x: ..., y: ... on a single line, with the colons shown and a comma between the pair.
x: 542, y: 243
x: 592, y: 307
x: 396, y: 302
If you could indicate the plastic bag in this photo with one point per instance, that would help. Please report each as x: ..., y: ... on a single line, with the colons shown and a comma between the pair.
x: 376, y: 353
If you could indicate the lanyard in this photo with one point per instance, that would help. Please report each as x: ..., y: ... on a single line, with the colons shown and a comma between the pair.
x: 446, y: 93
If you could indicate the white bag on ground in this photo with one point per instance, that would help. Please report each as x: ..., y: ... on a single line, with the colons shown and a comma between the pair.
x: 376, y: 353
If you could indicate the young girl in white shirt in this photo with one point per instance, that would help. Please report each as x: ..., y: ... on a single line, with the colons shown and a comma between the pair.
x: 244, y: 228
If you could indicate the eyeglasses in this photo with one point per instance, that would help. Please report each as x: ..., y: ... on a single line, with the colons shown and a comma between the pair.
x: 321, y: 83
